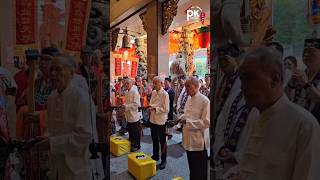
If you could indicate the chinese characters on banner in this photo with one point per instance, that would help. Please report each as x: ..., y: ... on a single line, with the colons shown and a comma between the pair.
x: 118, y: 67
x: 126, y: 68
x: 76, y: 30
x: 117, y: 63
x: 126, y: 65
x: 134, y: 67
x: 25, y: 22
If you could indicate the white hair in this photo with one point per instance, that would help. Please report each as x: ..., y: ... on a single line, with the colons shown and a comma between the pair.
x: 269, y: 60
x: 67, y: 60
x: 128, y: 80
x: 158, y: 78
x: 194, y: 81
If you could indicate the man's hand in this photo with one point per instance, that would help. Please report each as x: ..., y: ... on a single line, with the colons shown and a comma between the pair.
x: 231, y: 60
x: 43, y: 143
x: 151, y: 108
x: 300, y: 77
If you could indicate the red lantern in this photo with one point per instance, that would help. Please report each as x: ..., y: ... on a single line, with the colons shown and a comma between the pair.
x: 204, y: 39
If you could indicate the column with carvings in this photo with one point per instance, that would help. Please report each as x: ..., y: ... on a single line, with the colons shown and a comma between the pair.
x: 150, y: 20
x: 156, y: 22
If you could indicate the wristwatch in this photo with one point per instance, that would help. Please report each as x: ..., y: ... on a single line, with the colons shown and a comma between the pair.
x: 307, y: 85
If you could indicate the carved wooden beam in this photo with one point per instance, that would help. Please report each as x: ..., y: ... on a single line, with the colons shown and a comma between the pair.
x: 169, y: 11
x: 114, y: 38
x: 143, y: 19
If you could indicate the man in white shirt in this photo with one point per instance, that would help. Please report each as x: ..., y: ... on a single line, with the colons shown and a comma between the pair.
x: 159, y: 109
x: 284, y: 143
x: 70, y: 117
x: 196, y: 123
x: 131, y: 105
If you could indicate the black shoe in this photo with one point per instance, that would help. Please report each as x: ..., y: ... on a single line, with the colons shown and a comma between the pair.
x: 134, y: 149
x: 163, y: 164
x: 154, y: 158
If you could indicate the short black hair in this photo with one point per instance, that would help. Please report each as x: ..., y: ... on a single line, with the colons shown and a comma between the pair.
x: 168, y: 79
x: 182, y: 77
x: 292, y: 59
x: 277, y: 45
x: 230, y: 49
x: 52, y: 51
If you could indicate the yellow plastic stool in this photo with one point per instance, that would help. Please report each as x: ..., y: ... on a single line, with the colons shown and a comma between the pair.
x: 119, y: 146
x: 141, y: 166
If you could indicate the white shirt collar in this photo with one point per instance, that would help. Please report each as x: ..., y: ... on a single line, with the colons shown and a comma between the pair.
x: 271, y: 111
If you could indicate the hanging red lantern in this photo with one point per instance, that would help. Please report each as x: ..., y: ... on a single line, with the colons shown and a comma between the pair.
x: 204, y: 37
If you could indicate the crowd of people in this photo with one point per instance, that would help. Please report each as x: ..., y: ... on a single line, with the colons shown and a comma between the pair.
x: 165, y: 105
x: 267, y: 120
x: 55, y: 109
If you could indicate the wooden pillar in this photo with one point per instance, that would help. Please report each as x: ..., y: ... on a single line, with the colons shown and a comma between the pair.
x: 152, y: 27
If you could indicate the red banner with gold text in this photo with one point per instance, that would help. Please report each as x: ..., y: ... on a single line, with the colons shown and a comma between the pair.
x: 77, y: 24
x: 118, y: 67
x: 134, y: 67
x: 25, y: 21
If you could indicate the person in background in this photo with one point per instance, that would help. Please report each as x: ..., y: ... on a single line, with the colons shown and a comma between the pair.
x: 97, y: 63
x: 147, y: 91
x: 180, y: 87
x: 181, y: 102
x: 196, y: 123
x: 22, y: 78
x: 182, y: 99
x: 86, y: 69
x: 119, y: 97
x: 8, y: 88
x: 201, y: 82
x: 159, y: 108
x: 43, y: 85
x: 205, y: 88
x: 138, y: 83
x: 288, y: 73
x: 307, y: 90
x: 131, y: 112
x: 171, y: 93
x: 229, y: 60
x: 291, y: 63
